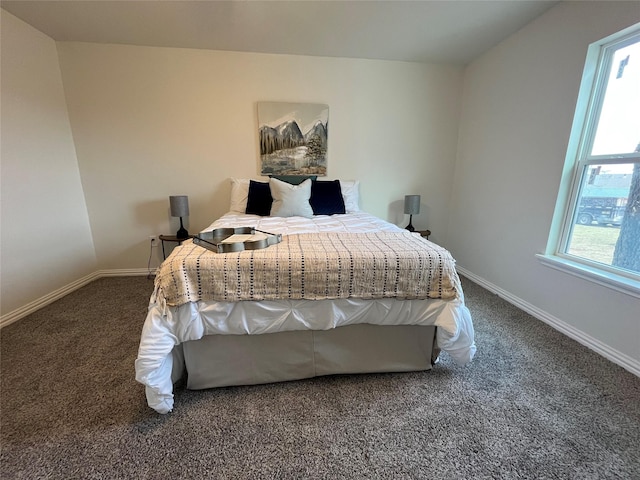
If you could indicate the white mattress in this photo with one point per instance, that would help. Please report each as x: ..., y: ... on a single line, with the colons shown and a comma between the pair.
x: 165, y: 328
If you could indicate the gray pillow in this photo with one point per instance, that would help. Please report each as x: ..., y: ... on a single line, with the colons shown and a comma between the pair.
x: 290, y: 200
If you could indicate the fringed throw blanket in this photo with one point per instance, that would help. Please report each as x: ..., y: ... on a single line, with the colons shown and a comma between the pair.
x: 313, y: 266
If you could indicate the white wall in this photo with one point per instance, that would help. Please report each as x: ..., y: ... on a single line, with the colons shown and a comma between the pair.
x: 45, y: 238
x: 518, y: 107
x: 153, y: 122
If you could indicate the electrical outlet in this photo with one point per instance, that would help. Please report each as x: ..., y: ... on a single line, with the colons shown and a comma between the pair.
x: 154, y: 240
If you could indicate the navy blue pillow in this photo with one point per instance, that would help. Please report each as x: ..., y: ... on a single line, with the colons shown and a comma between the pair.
x: 259, y: 200
x: 326, y: 197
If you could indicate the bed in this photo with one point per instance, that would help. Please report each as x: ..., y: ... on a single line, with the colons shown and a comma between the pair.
x: 343, y: 292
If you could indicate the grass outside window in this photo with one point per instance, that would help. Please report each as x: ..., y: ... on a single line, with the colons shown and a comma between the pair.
x: 594, y: 242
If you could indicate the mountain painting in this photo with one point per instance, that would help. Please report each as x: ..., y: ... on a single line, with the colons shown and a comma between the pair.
x: 293, y: 138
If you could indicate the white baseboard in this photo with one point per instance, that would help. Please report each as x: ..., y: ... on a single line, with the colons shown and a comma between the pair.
x: 41, y: 302
x: 619, y: 358
x: 126, y: 272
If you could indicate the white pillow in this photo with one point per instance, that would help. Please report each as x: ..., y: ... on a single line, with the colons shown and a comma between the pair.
x: 290, y: 200
x: 350, y: 195
x: 239, y: 195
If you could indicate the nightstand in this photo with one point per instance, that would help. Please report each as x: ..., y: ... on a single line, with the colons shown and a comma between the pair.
x: 424, y: 233
x: 171, y: 238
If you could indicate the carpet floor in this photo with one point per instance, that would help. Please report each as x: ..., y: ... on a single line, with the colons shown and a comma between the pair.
x: 533, y: 404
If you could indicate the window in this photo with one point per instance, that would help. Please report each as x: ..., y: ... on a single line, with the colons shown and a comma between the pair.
x: 597, y: 222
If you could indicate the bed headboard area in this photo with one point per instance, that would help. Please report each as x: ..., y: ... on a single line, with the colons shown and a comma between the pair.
x: 294, y: 196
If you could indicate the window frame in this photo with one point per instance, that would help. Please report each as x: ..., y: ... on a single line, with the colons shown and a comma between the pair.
x: 577, y: 161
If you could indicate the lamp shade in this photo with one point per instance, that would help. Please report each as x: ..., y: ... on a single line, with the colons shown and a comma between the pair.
x: 412, y: 204
x: 179, y: 205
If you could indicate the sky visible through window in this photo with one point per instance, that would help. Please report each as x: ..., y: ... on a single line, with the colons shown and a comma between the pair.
x: 619, y: 124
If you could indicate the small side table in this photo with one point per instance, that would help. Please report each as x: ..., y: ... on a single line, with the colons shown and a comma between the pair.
x: 424, y: 233
x: 171, y: 238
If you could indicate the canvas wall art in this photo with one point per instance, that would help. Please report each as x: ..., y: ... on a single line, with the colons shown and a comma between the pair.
x: 293, y: 138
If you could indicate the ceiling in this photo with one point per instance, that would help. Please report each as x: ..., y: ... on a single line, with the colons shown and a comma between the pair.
x: 446, y: 31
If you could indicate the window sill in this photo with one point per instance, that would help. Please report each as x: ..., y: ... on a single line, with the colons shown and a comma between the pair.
x: 592, y: 274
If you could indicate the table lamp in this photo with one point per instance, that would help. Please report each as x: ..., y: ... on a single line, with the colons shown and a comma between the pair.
x: 180, y: 208
x: 411, y: 208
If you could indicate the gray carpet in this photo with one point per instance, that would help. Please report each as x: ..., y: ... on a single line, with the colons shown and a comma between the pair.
x: 533, y: 404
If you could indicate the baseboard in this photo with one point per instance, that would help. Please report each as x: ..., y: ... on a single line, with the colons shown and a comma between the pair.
x: 126, y: 272
x: 41, y: 302
x: 625, y: 361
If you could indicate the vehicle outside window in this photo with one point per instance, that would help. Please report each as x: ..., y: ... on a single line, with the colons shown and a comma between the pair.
x: 603, y: 198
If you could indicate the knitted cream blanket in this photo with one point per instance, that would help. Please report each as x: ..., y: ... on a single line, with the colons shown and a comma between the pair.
x: 312, y: 266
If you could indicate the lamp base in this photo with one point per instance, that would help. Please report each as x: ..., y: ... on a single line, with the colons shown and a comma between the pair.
x: 410, y: 227
x: 182, y: 234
